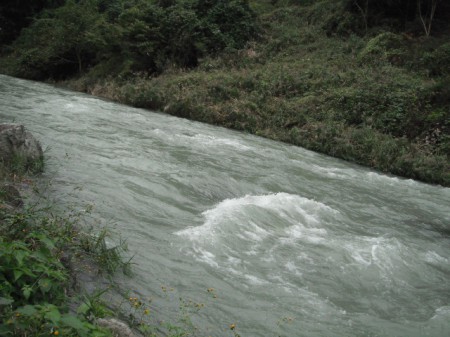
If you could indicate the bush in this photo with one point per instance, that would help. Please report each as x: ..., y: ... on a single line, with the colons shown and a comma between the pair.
x: 438, y: 61
x: 181, y: 32
x: 385, y: 47
x: 33, y: 281
x: 60, y: 42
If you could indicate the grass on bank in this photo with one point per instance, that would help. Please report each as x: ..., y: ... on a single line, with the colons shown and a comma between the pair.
x: 380, y: 100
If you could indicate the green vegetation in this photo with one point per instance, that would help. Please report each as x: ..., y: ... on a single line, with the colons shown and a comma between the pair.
x: 359, y: 80
x: 129, y: 36
x: 37, y: 249
x: 33, y: 281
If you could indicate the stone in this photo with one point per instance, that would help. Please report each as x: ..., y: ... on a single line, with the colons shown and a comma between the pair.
x: 18, y: 147
x: 118, y: 328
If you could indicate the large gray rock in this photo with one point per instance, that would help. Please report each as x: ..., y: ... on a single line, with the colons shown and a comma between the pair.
x: 19, y: 148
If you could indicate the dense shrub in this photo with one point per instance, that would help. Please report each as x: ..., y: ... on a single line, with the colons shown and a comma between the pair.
x: 17, y: 14
x: 438, y: 61
x: 159, y: 34
x: 61, y: 42
x: 142, y: 36
x: 386, y: 46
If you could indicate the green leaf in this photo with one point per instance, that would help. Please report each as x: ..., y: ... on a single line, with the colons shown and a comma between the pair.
x: 5, y: 301
x: 27, y: 310
x: 26, y: 291
x: 73, y: 322
x: 48, y: 243
x: 4, y: 331
x: 20, y: 255
x: 45, y: 284
x: 53, y: 315
x: 44, y: 253
x: 17, y: 274
x: 83, y: 309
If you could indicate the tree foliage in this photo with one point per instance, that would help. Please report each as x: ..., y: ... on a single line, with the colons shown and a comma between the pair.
x: 17, y: 14
x: 404, y: 13
x: 61, y: 41
x: 146, y: 35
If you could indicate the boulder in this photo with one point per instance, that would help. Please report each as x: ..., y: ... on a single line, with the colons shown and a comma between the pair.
x: 19, y: 149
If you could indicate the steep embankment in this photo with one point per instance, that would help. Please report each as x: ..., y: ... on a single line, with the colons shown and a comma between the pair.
x: 320, y: 75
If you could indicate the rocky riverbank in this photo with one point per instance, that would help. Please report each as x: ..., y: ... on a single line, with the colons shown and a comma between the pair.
x: 46, y: 261
x: 20, y: 153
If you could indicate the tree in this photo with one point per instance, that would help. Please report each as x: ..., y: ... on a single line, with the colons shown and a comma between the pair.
x: 427, y: 17
x: 363, y: 7
x: 62, y: 41
x: 17, y: 14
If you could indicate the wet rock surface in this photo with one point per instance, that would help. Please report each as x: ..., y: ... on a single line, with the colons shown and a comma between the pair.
x: 19, y: 148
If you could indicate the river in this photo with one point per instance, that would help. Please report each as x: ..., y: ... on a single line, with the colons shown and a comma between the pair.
x: 292, y: 242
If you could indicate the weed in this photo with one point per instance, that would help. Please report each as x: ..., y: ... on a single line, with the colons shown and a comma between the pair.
x: 107, y: 255
x: 33, y: 281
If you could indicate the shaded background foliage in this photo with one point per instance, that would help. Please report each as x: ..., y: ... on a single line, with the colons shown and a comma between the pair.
x: 62, y: 38
x: 17, y: 14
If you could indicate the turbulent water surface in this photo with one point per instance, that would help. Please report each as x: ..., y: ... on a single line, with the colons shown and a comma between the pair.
x: 294, y: 243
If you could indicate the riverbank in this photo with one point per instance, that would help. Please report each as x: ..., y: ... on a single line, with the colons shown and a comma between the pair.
x: 379, y: 100
x: 313, y: 78
x: 44, y: 253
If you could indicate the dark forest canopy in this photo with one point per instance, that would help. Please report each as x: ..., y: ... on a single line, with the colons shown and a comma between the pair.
x: 17, y: 14
x: 59, y: 38
x: 65, y: 38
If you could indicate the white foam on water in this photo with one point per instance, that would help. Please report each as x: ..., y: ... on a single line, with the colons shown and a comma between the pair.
x: 233, y: 260
x: 233, y: 217
x: 382, y: 178
x: 206, y: 257
x: 216, y: 141
x: 301, y: 233
x: 292, y: 268
x: 336, y: 172
x: 441, y: 312
x: 375, y: 251
x: 76, y: 106
x: 253, y: 280
x: 434, y: 258
x: 257, y: 228
x: 208, y: 141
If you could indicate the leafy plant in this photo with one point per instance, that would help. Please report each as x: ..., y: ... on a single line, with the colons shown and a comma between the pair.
x: 33, y: 280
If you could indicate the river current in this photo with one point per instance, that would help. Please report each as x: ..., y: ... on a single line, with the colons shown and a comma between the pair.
x: 292, y: 242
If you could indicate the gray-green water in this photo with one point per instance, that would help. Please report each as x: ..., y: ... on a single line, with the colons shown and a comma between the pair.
x: 294, y: 243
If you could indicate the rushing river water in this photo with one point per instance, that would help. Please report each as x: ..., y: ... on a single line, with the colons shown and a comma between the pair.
x: 294, y: 243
